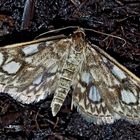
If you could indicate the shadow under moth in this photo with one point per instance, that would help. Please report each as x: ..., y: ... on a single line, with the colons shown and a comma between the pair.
x: 102, y: 89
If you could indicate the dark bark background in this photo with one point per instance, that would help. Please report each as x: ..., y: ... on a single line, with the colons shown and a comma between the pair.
x: 116, y: 17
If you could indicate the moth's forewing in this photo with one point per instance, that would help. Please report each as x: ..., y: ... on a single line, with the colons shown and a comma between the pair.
x: 28, y: 71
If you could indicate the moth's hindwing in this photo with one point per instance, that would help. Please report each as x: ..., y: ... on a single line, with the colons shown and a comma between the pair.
x: 106, y: 91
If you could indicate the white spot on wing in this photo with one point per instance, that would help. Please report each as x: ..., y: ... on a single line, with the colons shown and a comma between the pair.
x: 86, y: 77
x: 1, y: 58
x: 31, y: 49
x: 11, y: 67
x: 94, y: 94
x: 105, y: 60
x: 38, y: 80
x: 128, y: 96
x: 118, y: 72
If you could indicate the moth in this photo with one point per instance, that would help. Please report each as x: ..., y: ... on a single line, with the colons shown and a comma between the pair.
x: 102, y: 89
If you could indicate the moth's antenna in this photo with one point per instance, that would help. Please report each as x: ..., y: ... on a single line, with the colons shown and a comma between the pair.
x: 57, y: 30
x: 86, y: 29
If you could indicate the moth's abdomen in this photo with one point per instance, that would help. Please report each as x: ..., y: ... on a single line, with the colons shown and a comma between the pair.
x: 65, y: 82
x: 60, y: 94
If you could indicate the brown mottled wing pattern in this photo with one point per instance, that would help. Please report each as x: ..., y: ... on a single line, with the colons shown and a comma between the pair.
x: 105, y: 91
x: 28, y: 72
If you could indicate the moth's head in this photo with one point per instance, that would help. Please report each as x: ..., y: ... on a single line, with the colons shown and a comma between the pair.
x: 79, y: 33
x: 78, y: 38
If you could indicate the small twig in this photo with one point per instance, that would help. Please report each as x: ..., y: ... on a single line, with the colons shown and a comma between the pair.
x: 27, y: 14
x: 36, y: 119
x: 57, y: 119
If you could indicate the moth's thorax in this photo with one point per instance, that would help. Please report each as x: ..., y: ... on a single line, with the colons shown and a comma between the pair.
x: 71, y: 66
x: 79, y: 39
